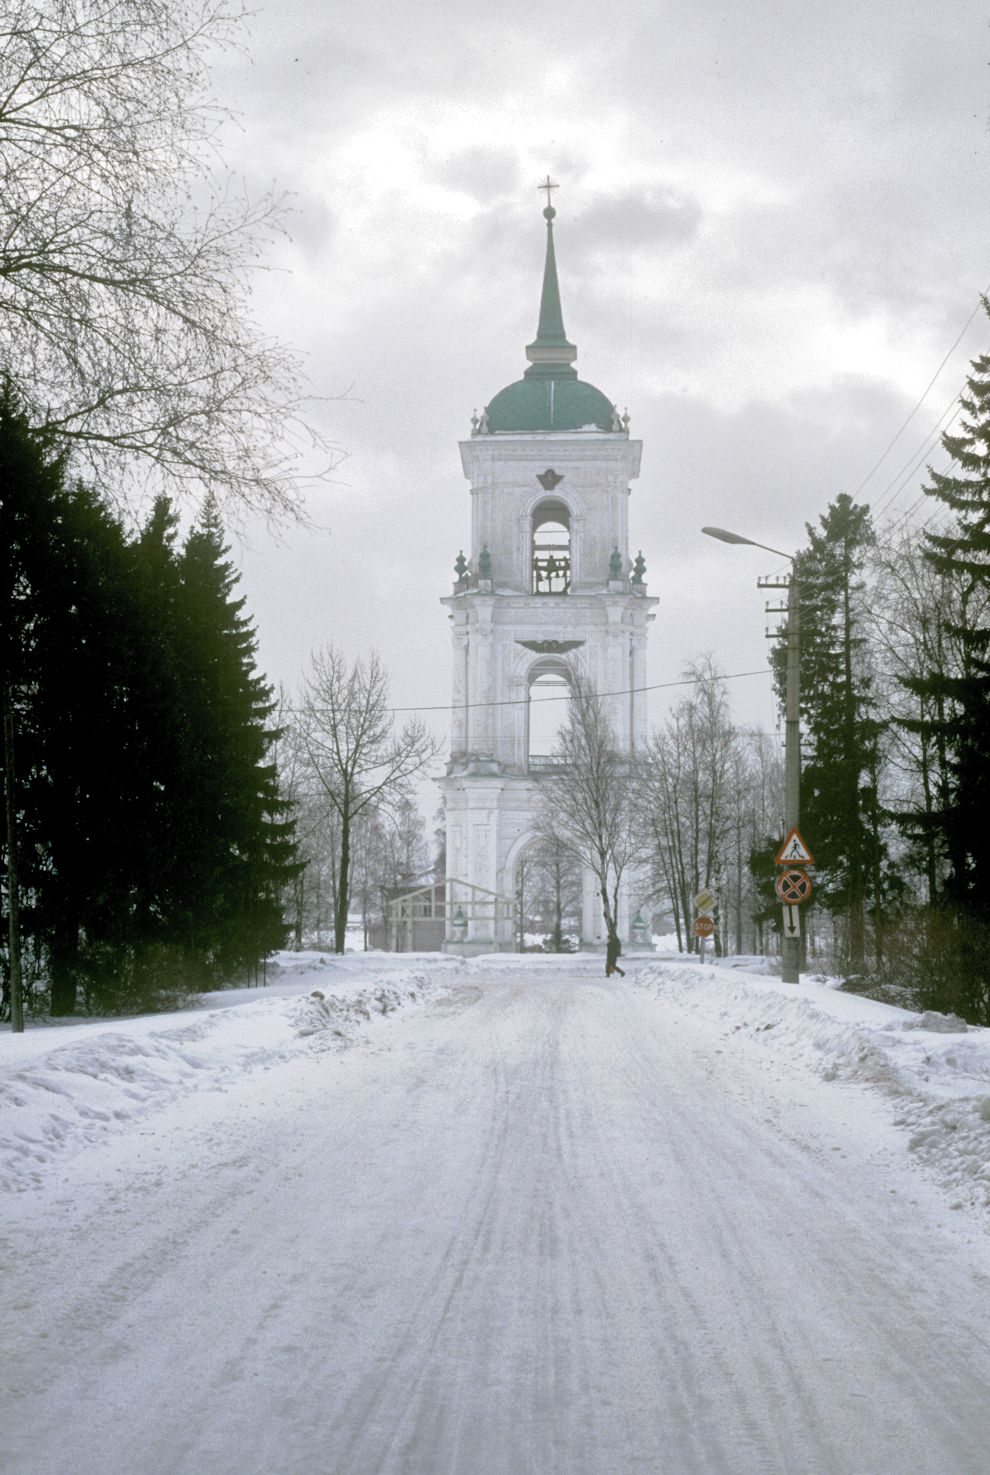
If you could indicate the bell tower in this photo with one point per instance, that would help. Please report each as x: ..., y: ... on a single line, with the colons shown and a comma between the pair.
x: 549, y: 586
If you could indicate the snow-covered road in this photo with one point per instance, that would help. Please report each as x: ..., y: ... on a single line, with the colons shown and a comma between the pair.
x: 540, y: 1224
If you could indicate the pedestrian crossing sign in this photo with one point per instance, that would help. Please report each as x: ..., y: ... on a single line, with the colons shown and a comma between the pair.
x: 794, y: 852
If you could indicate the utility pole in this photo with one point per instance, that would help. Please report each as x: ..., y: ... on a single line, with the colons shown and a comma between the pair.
x: 790, y: 951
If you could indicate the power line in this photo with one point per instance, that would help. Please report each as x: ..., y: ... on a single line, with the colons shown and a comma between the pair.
x: 928, y: 445
x: 917, y: 407
x: 539, y: 701
x: 625, y: 692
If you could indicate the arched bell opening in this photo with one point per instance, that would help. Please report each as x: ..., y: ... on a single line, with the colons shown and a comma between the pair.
x: 551, y: 547
x: 548, y: 690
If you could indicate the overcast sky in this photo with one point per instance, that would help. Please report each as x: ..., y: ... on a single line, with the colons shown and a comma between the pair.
x: 771, y: 229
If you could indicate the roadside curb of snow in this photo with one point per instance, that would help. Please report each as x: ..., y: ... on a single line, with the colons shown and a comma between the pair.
x: 328, y: 1019
x: 937, y: 1072
x: 84, y: 1090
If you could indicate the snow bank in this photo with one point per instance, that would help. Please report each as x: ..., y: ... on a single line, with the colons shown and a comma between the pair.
x: 79, y: 1083
x: 934, y: 1066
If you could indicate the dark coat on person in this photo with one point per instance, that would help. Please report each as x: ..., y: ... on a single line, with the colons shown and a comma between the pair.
x: 613, y: 949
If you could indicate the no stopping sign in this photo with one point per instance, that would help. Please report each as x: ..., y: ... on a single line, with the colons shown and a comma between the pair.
x: 793, y: 887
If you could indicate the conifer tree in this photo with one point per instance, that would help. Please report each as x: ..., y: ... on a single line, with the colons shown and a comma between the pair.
x: 152, y: 842
x: 31, y: 485
x: 840, y: 807
x: 66, y: 625
x: 957, y: 702
x: 161, y: 733
x: 237, y: 845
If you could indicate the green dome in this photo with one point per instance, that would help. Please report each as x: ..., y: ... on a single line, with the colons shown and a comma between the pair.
x: 549, y: 403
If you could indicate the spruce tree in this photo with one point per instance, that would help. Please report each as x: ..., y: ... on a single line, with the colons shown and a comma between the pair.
x: 238, y: 847
x: 66, y: 625
x: 153, y: 844
x: 31, y: 488
x: 957, y: 702
x: 840, y: 807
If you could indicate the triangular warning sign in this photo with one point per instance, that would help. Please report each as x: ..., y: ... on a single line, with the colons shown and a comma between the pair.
x: 794, y: 852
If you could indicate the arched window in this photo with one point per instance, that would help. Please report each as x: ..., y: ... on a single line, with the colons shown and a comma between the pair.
x: 551, y: 548
x: 548, y: 689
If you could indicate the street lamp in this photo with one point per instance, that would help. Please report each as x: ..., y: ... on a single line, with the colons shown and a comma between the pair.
x: 790, y: 956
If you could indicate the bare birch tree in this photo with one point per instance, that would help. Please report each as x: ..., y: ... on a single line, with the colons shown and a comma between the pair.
x: 356, y: 756
x: 126, y: 252
x: 587, y: 801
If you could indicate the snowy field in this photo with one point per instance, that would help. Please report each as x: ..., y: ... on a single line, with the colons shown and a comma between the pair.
x: 498, y: 1217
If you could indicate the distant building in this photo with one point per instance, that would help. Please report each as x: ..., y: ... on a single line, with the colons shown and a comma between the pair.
x: 549, y: 584
x: 413, y: 918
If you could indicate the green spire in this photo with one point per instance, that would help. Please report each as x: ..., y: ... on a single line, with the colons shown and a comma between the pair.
x: 550, y: 353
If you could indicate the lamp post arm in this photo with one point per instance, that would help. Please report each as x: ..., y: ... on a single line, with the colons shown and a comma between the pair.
x: 726, y: 537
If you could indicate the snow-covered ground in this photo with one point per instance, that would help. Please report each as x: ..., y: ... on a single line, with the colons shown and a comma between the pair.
x: 65, y: 1086
x: 932, y: 1067
x: 499, y: 1217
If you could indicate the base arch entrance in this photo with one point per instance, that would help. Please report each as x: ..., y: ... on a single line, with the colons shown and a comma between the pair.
x: 548, y: 891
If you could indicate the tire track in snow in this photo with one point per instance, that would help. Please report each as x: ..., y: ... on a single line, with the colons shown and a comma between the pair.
x: 535, y: 1233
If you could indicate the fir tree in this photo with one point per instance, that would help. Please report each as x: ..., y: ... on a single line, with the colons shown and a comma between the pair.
x: 238, y: 848
x: 68, y: 622
x: 840, y: 808
x: 31, y: 488
x: 152, y: 841
x: 957, y: 702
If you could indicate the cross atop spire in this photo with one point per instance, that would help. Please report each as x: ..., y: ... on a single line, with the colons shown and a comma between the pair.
x: 550, y: 353
x: 548, y: 184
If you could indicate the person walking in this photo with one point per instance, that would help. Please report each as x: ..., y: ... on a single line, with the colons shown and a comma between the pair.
x: 612, y: 950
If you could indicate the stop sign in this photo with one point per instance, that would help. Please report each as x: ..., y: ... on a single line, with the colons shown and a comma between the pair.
x: 704, y: 926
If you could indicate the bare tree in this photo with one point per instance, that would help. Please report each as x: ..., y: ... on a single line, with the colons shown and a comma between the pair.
x: 587, y: 801
x: 125, y: 253
x: 684, y: 795
x: 915, y: 619
x: 389, y: 852
x: 702, y: 797
x: 357, y: 758
x: 310, y: 895
x: 760, y: 814
x: 524, y: 870
x: 555, y: 887
x: 662, y: 799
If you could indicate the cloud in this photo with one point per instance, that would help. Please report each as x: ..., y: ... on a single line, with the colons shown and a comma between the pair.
x: 634, y: 220
x: 486, y: 174
x: 771, y: 227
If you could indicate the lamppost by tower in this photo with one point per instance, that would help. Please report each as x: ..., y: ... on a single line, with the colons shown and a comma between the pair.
x: 790, y: 955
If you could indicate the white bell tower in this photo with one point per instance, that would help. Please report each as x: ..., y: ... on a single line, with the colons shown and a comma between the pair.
x: 549, y: 582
